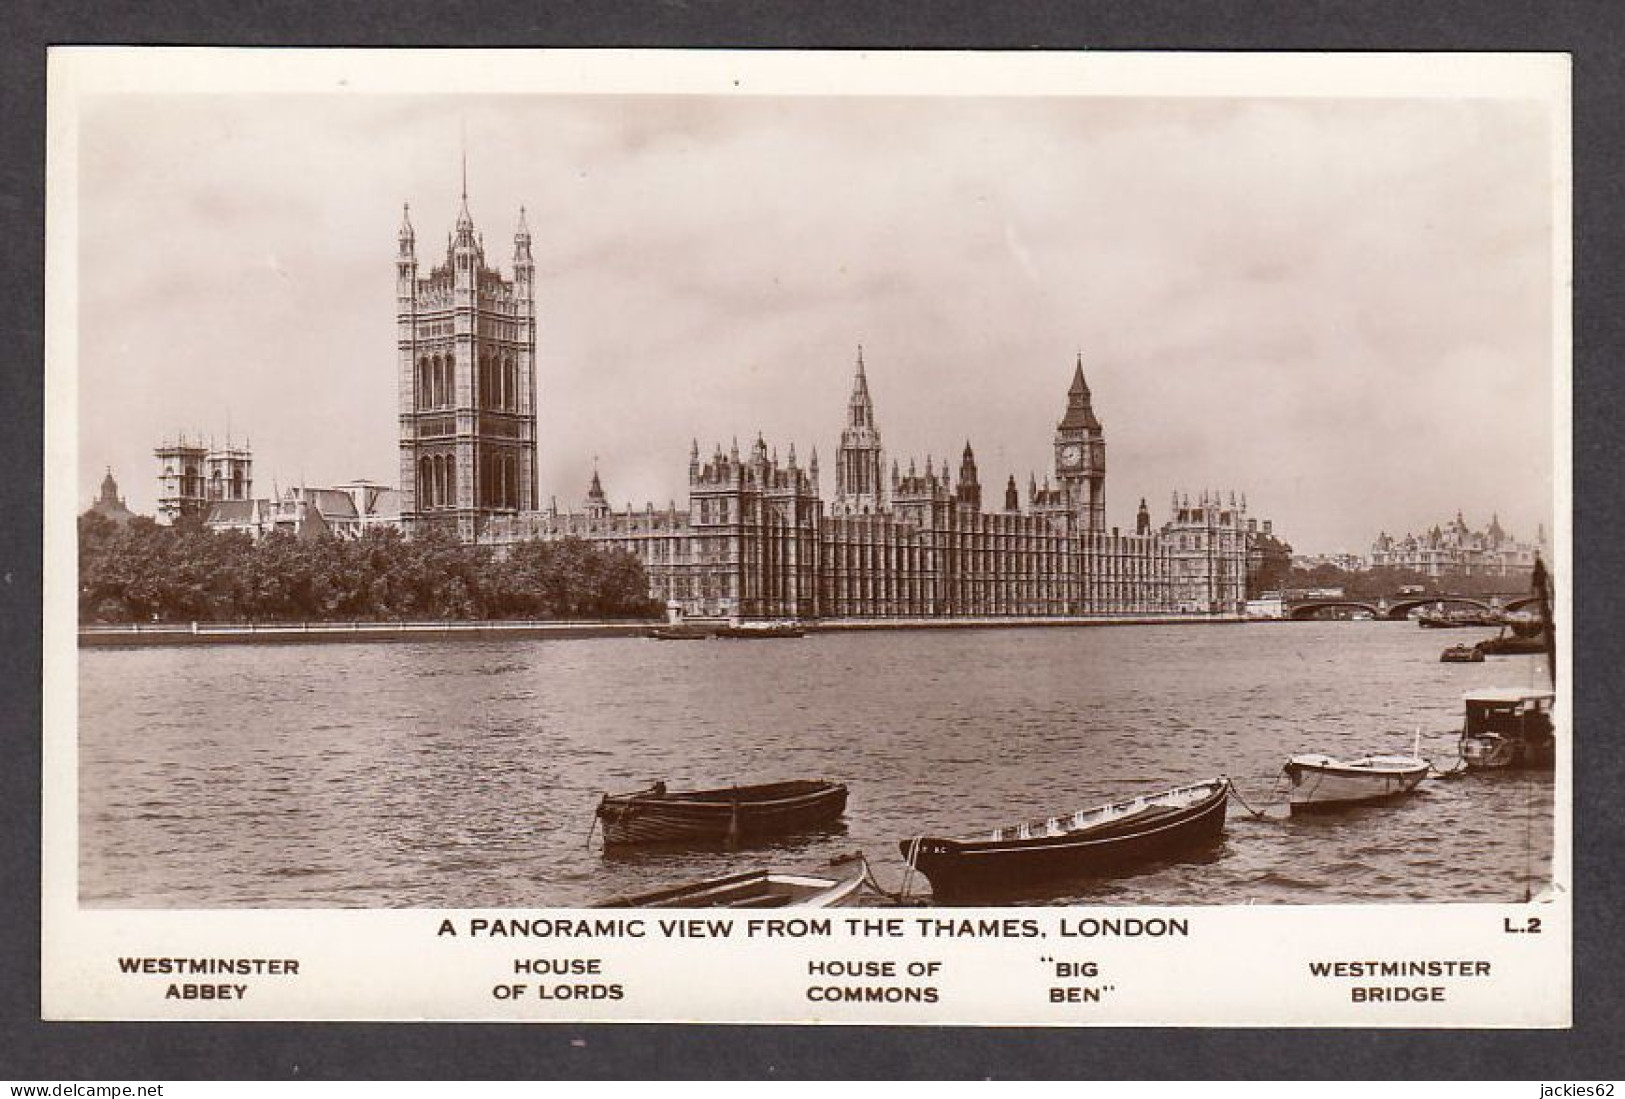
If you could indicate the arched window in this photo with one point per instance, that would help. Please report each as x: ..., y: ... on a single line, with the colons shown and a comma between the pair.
x: 484, y: 399
x: 511, y: 383
x: 510, y: 486
x: 451, y: 480
x: 423, y: 382
x: 425, y: 484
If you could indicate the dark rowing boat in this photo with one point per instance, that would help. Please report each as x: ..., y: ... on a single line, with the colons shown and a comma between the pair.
x: 735, y: 814
x: 679, y: 633
x: 1089, y: 843
x: 1513, y: 644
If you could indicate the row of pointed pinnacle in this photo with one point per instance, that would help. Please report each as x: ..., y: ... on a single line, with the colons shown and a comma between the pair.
x: 465, y: 224
x: 1078, y: 395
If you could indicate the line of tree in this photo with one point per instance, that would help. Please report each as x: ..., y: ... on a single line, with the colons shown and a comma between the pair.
x: 143, y: 572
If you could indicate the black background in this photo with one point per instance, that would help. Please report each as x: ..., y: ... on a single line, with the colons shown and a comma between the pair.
x: 53, y: 1052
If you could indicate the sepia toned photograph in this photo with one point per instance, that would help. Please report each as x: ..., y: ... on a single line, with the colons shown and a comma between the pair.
x: 739, y: 498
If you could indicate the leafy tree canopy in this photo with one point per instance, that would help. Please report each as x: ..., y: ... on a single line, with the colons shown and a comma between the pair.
x: 143, y: 572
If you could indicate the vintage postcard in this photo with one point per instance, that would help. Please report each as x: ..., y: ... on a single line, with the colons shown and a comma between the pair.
x: 1043, y: 539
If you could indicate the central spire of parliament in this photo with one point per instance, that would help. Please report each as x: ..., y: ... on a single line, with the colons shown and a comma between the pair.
x: 859, y: 459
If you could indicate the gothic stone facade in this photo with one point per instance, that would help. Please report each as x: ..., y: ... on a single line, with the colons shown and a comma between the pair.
x: 466, y: 341
x: 1456, y: 547
x: 756, y: 540
x: 193, y: 476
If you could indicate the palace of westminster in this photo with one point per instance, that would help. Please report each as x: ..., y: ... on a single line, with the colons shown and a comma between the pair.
x: 757, y: 539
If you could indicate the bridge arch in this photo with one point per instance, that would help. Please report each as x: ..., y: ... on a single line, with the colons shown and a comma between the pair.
x: 1404, y: 607
x: 1305, y: 611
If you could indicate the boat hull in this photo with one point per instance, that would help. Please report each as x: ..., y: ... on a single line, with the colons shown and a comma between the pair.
x: 737, y: 815
x: 1320, y: 783
x: 1513, y: 646
x: 959, y: 869
x: 678, y: 633
x: 752, y: 889
x: 758, y: 633
x: 1509, y: 729
x: 1493, y: 752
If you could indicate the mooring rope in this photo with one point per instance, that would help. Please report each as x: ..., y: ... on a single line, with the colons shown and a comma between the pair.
x: 908, y: 869
x: 1459, y: 768
x: 1258, y: 813
x: 874, y: 883
x: 593, y: 827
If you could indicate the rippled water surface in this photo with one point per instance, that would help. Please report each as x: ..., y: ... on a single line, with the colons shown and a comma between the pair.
x: 465, y: 773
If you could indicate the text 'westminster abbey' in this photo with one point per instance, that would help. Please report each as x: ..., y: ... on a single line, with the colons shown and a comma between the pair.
x: 756, y: 540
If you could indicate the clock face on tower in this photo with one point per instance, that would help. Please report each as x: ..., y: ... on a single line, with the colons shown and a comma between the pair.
x: 1071, y: 455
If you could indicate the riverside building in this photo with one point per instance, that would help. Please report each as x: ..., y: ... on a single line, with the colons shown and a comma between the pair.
x: 756, y: 539
x: 1457, y: 548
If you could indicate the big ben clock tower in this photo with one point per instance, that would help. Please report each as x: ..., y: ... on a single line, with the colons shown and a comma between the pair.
x: 1080, y: 456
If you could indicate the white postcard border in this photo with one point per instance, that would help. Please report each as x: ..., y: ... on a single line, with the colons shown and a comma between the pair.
x: 1238, y: 966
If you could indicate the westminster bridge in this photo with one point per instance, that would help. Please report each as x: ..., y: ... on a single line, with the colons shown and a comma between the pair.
x: 1398, y: 608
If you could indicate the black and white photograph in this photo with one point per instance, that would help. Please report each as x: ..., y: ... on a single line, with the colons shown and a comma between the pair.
x: 1041, y: 497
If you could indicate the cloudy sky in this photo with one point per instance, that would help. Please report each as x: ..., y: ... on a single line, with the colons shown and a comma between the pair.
x: 1341, y: 308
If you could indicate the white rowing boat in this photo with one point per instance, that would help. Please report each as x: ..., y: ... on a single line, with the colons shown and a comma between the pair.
x: 1322, y: 782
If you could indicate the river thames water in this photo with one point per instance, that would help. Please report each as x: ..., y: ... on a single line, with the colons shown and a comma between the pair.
x: 464, y: 774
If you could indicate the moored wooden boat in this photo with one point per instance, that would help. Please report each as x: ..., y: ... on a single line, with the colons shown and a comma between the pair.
x: 751, y: 631
x: 679, y: 633
x: 752, y: 889
x: 1462, y: 654
x: 1511, y: 727
x: 734, y: 814
x: 1512, y: 644
x: 1322, y: 782
x: 1091, y: 842
x: 1508, y: 727
x: 1457, y: 621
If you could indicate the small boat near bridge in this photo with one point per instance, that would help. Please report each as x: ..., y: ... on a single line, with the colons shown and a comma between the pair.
x: 1320, y: 782
x: 1509, y: 728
